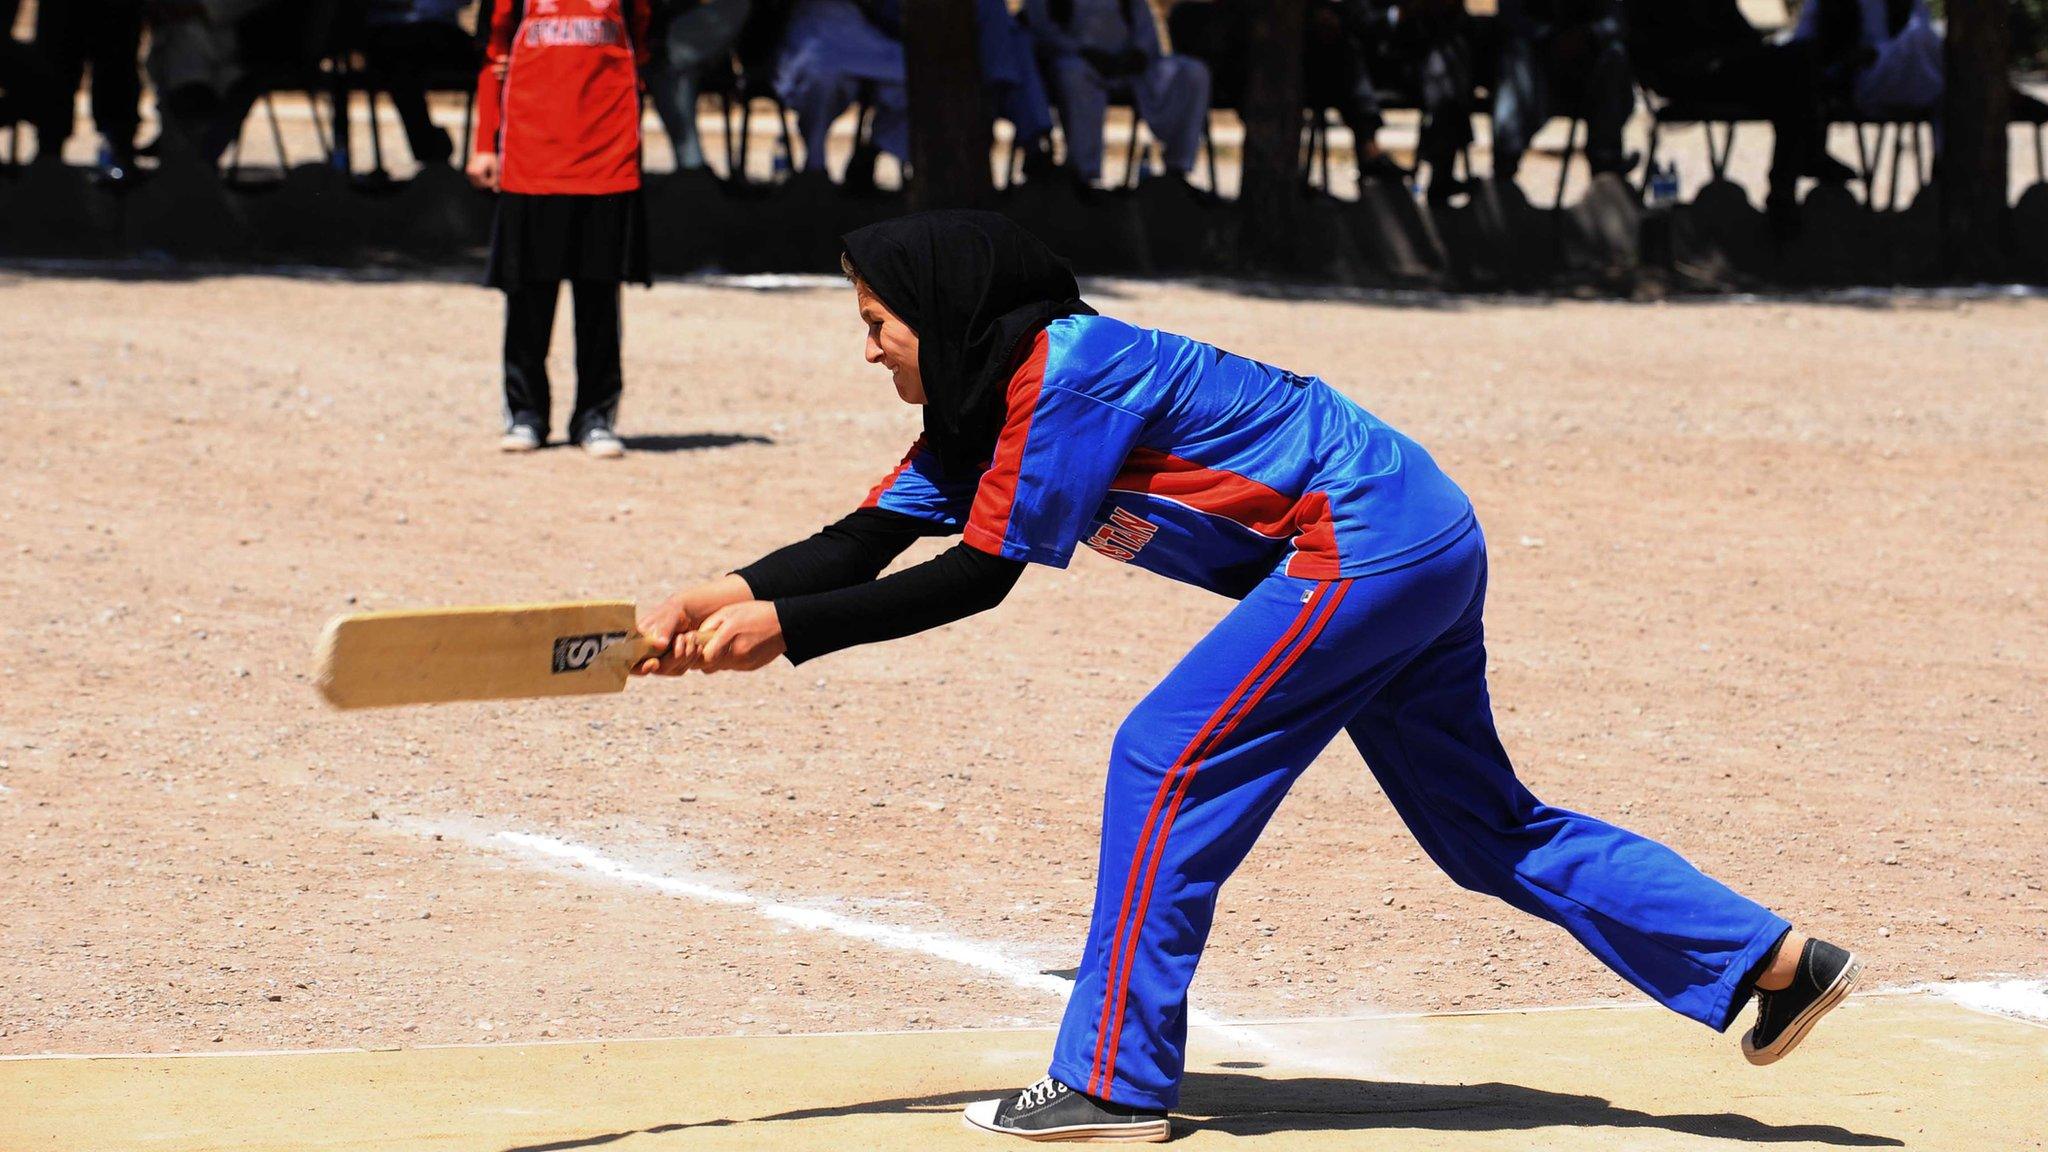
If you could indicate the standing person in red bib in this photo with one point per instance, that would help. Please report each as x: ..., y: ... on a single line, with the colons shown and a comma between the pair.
x: 558, y: 137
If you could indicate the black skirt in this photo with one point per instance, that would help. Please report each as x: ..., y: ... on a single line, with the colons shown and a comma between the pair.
x: 547, y: 239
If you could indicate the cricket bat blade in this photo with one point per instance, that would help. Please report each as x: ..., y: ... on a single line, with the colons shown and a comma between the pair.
x: 505, y: 652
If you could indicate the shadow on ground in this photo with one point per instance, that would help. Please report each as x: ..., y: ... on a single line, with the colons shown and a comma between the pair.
x: 690, y: 441
x: 1239, y: 1105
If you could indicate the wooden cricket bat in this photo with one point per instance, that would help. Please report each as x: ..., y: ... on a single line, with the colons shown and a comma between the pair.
x: 505, y: 652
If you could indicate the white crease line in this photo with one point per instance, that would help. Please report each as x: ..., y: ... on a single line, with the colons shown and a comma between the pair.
x: 1238, y: 1038
x: 2024, y: 999
x: 967, y: 953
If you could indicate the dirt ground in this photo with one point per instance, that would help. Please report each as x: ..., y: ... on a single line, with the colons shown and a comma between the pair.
x: 1768, y: 585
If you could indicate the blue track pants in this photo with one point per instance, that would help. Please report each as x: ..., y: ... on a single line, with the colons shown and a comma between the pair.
x: 1396, y: 659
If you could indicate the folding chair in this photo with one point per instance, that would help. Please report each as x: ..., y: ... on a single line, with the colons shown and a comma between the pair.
x: 1708, y: 114
x: 451, y: 77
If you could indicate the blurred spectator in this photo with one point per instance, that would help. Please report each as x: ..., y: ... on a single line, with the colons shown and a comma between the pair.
x: 1009, y: 67
x: 833, y: 53
x: 28, y: 90
x: 836, y: 52
x: 1421, y: 49
x: 1093, y: 49
x: 408, y: 41
x: 558, y: 136
x: 194, y: 59
x: 1885, y: 56
x: 105, y: 35
x: 210, y: 60
x: 1425, y: 51
x: 687, y: 38
x: 1706, y: 50
x: 1562, y: 56
x: 1336, y: 73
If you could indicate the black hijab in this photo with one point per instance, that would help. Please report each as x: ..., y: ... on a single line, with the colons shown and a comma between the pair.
x: 974, y: 286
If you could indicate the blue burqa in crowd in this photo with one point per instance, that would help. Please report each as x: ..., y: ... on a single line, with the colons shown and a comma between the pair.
x: 835, y: 53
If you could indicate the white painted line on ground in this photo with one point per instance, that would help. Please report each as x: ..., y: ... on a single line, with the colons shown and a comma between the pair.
x: 771, y: 281
x: 974, y: 954
x: 2022, y: 999
x: 573, y: 858
x: 967, y: 953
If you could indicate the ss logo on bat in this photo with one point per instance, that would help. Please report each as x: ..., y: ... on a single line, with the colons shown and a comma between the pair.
x: 575, y: 653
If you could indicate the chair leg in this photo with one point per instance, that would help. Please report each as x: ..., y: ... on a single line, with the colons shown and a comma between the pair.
x: 1209, y: 154
x: 341, y: 102
x: 782, y: 121
x: 1863, y: 167
x: 725, y: 133
x: 1320, y: 150
x: 1564, y: 165
x: 1898, y: 153
x: 1323, y: 129
x: 746, y: 134
x: 1131, y: 153
x: 1650, y: 157
x: 321, y: 136
x: 340, y: 107
x: 284, y: 161
x: 861, y: 165
x: 376, y: 136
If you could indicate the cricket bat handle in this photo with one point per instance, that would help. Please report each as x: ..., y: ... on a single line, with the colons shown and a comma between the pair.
x: 630, y: 651
x: 639, y: 646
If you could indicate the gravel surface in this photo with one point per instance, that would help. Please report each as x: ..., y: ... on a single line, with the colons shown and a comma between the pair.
x: 1768, y: 585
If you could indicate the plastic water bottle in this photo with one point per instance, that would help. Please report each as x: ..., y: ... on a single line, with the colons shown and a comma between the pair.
x: 1664, y: 185
x: 1657, y: 246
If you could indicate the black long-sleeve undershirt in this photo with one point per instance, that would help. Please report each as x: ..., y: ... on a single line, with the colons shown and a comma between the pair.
x: 827, y: 596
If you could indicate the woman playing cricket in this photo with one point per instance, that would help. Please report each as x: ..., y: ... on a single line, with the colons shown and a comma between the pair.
x: 1359, y: 575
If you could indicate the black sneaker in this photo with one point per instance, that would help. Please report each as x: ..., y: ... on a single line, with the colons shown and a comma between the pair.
x: 1783, y: 1018
x: 1049, y: 1110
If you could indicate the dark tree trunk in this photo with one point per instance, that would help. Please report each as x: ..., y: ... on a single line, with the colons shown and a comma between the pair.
x: 949, y: 129
x: 1972, y: 185
x: 1270, y: 201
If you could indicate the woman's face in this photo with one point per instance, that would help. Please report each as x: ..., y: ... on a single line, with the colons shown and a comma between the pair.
x: 891, y: 344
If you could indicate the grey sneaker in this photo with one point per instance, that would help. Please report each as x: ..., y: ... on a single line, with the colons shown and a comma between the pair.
x: 603, y: 443
x: 1783, y: 1018
x: 1049, y: 1110
x: 520, y: 438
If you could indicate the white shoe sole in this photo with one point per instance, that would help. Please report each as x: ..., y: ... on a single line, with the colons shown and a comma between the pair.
x: 1804, y: 1022
x: 606, y: 450
x: 980, y: 1116
x: 516, y: 444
